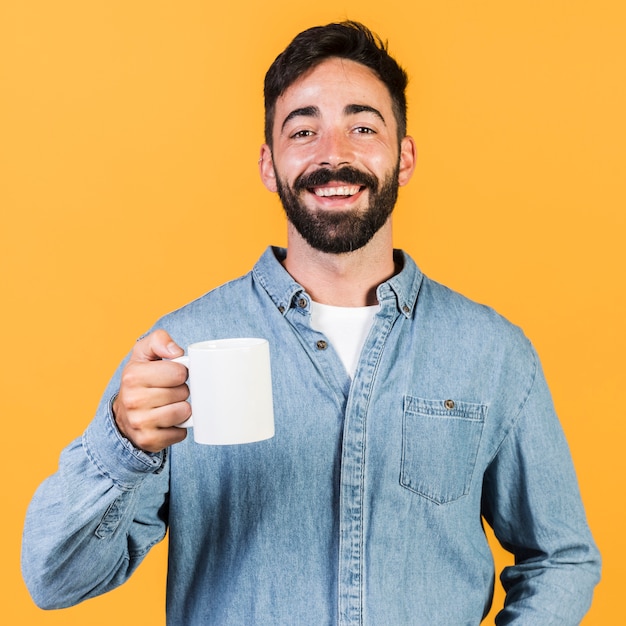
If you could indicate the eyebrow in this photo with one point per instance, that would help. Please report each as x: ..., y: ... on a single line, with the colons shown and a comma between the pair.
x: 350, y: 109
x: 354, y: 109
x: 310, y: 111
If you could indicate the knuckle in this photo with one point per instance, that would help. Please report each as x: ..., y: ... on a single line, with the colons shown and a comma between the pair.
x: 144, y: 441
x: 159, y: 333
x: 132, y: 401
x: 129, y: 377
x: 159, y: 336
x: 135, y: 421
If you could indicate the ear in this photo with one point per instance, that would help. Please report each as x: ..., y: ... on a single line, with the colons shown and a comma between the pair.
x: 266, y: 168
x: 408, y: 160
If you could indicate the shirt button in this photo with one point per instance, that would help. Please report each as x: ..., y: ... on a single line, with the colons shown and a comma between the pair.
x: 406, y: 308
x: 281, y: 309
x: 322, y: 345
x: 449, y: 404
x: 302, y: 303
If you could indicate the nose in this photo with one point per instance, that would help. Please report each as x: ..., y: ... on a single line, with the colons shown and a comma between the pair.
x: 335, y: 149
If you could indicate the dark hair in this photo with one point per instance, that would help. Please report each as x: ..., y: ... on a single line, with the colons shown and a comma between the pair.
x: 346, y: 40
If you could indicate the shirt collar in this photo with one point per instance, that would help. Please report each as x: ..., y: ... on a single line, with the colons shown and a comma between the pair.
x: 404, y: 285
x: 403, y: 288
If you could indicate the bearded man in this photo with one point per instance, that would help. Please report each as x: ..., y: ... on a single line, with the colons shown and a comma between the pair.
x: 405, y: 414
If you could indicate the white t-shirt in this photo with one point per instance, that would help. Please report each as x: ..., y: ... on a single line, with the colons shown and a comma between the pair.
x: 346, y: 328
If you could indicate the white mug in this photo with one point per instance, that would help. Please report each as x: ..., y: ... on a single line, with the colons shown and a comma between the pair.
x: 231, y: 391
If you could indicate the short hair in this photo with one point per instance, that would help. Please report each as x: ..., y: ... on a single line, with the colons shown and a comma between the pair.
x: 346, y: 40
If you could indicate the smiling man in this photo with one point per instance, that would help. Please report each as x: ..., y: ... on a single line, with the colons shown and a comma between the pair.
x: 406, y: 415
x: 345, y: 155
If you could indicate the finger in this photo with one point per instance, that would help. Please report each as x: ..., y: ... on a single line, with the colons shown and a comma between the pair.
x: 158, y: 439
x: 163, y: 397
x: 159, y: 417
x: 143, y: 399
x: 157, y: 345
x: 172, y: 415
x: 156, y: 429
x: 153, y: 374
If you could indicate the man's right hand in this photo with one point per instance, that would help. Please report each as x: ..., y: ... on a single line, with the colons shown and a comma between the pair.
x: 153, y: 393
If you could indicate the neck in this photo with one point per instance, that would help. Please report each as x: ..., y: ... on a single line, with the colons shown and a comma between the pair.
x: 349, y: 279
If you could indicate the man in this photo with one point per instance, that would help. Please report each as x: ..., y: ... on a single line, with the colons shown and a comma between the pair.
x: 405, y: 414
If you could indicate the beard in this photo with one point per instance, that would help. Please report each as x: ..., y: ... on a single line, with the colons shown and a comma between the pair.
x: 338, y: 232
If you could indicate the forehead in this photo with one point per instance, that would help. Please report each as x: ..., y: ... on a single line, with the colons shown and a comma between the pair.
x: 334, y: 83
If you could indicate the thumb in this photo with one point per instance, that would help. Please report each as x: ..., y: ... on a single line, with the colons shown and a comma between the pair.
x: 157, y: 345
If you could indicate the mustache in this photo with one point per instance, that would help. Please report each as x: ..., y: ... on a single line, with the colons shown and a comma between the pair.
x: 346, y: 174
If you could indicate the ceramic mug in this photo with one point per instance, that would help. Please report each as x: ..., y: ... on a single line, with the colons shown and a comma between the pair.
x: 231, y: 391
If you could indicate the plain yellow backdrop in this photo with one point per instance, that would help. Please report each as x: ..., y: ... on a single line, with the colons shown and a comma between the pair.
x: 129, y: 136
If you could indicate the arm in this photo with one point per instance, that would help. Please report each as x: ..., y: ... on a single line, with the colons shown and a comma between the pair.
x: 531, y: 500
x: 90, y: 524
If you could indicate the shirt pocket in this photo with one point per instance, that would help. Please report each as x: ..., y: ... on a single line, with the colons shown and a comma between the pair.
x: 440, y: 440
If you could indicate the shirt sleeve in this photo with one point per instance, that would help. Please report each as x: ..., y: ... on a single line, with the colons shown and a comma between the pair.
x: 532, y: 501
x: 91, y: 523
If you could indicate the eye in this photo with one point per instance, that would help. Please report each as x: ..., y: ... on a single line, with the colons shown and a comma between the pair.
x: 364, y: 130
x: 301, y: 134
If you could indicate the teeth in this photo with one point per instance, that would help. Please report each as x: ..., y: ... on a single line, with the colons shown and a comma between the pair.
x: 336, y: 191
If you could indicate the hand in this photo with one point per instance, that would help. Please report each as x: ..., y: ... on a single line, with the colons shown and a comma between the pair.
x: 153, y: 393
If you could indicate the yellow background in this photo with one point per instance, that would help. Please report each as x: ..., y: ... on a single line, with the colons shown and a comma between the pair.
x: 129, y: 135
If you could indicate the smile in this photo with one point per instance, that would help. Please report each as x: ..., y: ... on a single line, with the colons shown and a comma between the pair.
x: 345, y: 190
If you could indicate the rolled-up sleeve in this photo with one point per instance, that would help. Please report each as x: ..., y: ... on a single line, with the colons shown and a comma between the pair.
x: 91, y: 523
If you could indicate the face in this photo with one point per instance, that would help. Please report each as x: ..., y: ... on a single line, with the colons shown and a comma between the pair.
x: 336, y: 162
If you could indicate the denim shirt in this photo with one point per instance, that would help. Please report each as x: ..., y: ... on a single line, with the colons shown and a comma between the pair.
x: 367, y: 506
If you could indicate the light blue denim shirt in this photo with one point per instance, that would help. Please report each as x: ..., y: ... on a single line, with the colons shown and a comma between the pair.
x: 367, y: 506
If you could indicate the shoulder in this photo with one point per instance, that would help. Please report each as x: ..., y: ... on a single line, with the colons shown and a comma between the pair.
x: 211, y: 314
x: 467, y: 323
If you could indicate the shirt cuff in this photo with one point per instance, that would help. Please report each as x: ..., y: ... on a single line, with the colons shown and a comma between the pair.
x: 116, y: 456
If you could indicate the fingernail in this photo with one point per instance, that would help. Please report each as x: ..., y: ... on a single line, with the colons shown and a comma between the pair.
x: 172, y: 348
